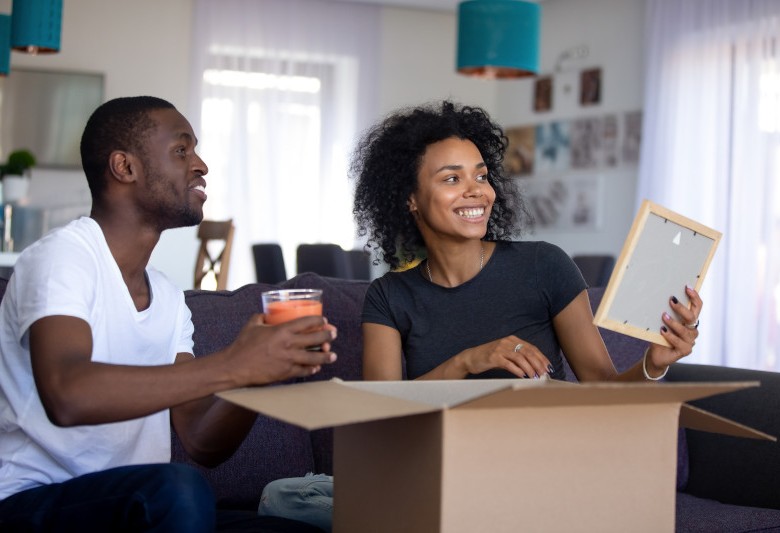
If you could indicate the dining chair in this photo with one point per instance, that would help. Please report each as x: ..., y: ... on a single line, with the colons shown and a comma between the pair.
x: 325, y: 259
x: 211, y: 268
x: 269, y: 263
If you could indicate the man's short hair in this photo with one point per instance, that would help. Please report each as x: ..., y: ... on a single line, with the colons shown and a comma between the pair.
x: 119, y: 124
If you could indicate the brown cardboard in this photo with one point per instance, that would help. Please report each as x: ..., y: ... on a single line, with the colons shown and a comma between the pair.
x: 499, y: 455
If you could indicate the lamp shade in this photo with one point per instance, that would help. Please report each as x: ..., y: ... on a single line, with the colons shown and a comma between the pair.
x: 36, y: 26
x: 5, y: 44
x: 498, y: 38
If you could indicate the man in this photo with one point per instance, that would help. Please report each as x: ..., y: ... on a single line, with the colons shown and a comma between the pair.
x: 96, y: 348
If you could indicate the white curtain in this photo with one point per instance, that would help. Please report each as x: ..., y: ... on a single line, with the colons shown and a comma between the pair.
x: 284, y: 88
x: 711, y: 151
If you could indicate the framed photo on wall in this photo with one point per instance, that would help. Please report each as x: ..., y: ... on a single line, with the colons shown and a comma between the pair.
x: 664, y: 252
x: 563, y: 203
x: 590, y: 87
x: 543, y: 94
x: 519, y: 158
x: 45, y: 112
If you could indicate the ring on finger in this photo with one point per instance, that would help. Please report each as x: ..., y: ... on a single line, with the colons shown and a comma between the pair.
x: 693, y: 326
x: 519, y: 347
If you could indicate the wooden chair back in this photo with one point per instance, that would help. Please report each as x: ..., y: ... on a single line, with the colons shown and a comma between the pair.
x: 213, y: 262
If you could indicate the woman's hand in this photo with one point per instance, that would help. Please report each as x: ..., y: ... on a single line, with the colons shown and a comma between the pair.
x: 680, y: 332
x: 511, y: 353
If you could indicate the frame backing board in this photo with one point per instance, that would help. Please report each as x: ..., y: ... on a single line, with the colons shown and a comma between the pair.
x: 663, y: 253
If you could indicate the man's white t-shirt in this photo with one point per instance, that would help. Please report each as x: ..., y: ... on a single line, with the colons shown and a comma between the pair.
x: 71, y: 272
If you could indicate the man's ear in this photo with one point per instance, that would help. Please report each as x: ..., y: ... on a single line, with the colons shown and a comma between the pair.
x: 123, y: 166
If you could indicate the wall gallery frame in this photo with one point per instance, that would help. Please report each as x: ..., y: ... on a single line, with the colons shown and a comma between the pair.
x: 566, y: 203
x: 564, y: 84
x: 590, y: 87
x: 45, y: 112
x: 543, y: 94
x: 520, y: 156
x: 592, y: 143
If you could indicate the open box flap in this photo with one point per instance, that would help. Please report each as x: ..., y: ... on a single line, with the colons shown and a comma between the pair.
x: 333, y: 403
x: 559, y: 394
x: 322, y: 404
x: 443, y: 393
x: 694, y: 418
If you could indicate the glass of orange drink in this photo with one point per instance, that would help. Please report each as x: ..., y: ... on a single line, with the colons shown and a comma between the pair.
x: 288, y: 304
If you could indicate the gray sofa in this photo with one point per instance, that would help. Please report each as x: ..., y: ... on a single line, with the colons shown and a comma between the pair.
x: 725, y: 483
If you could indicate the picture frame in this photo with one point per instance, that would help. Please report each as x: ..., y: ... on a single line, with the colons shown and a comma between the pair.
x: 45, y: 111
x: 566, y: 202
x: 664, y: 252
x: 590, y: 87
x: 519, y: 157
x: 543, y: 94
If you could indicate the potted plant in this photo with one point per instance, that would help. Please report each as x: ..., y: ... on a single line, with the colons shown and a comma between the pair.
x: 15, y: 175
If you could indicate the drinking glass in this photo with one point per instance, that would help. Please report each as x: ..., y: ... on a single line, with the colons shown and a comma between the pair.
x: 288, y: 304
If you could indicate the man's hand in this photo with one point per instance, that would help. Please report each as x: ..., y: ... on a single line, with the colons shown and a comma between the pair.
x: 264, y: 354
x: 210, y: 429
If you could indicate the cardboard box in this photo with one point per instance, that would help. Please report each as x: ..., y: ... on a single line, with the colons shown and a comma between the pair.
x: 499, y: 455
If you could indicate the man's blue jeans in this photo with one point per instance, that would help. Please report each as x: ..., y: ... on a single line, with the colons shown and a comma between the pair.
x: 159, y: 497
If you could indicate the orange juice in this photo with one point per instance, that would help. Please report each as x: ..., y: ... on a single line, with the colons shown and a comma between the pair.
x: 284, y: 311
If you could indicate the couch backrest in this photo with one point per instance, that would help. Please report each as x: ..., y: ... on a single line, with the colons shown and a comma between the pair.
x: 219, y: 315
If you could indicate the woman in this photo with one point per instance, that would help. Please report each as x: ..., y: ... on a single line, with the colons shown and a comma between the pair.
x: 480, y: 305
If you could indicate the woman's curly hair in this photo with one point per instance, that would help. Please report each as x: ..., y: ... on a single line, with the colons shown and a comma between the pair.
x: 386, y: 162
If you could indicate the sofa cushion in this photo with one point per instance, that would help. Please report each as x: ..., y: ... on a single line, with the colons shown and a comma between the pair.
x: 698, y: 515
x: 747, y: 470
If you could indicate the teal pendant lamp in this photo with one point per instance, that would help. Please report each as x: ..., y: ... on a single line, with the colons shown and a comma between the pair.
x: 36, y: 26
x: 498, y: 38
x: 5, y: 44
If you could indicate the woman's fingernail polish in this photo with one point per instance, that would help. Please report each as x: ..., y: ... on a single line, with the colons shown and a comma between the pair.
x: 674, y: 299
x: 664, y: 329
x: 550, y: 369
x: 667, y: 316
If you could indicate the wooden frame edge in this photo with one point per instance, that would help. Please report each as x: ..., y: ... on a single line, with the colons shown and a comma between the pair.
x: 647, y: 208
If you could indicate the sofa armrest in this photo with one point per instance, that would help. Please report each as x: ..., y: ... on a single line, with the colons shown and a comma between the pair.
x: 729, y: 469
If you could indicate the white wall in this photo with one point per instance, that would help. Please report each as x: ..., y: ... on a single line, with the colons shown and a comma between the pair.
x: 418, y: 62
x: 612, y: 30
x: 143, y: 46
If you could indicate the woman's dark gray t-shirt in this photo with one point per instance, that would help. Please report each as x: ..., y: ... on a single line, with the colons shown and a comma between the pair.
x: 518, y: 292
